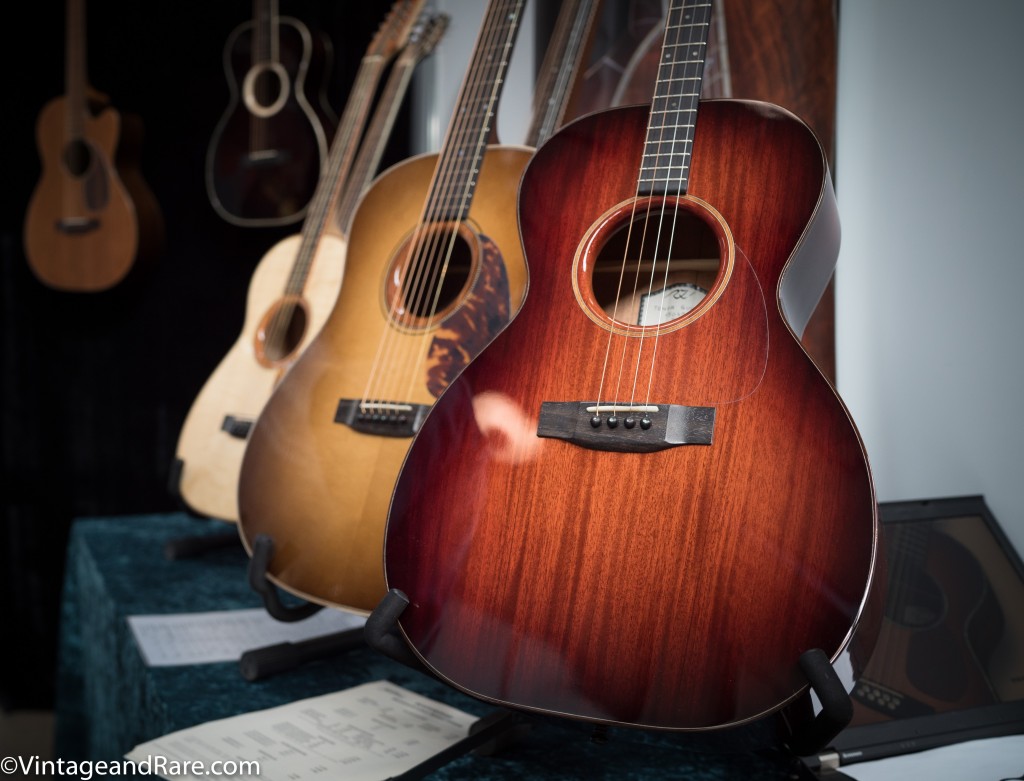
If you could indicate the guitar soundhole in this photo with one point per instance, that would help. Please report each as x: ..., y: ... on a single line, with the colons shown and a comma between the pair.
x: 265, y: 89
x: 651, y: 262
x: 281, y: 332
x: 77, y: 158
x: 430, y: 274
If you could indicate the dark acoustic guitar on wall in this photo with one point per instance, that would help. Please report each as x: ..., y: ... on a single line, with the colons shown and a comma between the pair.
x: 263, y: 162
x: 434, y: 269
x: 642, y: 503
x: 91, y: 217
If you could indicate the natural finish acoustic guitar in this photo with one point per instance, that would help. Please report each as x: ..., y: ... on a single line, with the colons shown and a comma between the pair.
x: 642, y: 503
x: 297, y: 281
x: 265, y: 155
x: 434, y: 271
x: 91, y: 216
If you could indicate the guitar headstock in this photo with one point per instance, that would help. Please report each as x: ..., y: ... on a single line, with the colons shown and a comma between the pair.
x: 394, y: 31
x: 425, y: 35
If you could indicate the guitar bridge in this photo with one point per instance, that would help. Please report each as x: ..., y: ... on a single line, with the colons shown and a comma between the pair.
x: 381, y: 418
x: 626, y: 428
x: 76, y: 226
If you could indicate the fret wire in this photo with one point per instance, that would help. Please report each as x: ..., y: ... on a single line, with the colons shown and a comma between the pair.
x: 667, y: 147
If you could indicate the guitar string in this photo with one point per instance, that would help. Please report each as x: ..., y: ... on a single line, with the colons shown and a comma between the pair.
x: 425, y: 247
x: 487, y: 88
x: 331, y: 180
x: 646, y: 219
x: 695, y: 47
x: 672, y: 42
x: 337, y: 169
x: 632, y: 225
x: 408, y: 297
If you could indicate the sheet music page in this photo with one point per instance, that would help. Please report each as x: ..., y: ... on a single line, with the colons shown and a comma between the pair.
x: 990, y: 759
x: 224, y: 635
x: 367, y: 733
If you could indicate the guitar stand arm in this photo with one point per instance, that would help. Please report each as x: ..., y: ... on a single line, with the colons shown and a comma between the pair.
x: 381, y: 630
x: 487, y: 735
x: 262, y: 553
x: 190, y: 547
x: 836, y: 705
x: 259, y: 663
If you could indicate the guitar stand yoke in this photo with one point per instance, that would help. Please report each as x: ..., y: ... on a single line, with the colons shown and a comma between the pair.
x: 258, y: 663
x: 381, y: 634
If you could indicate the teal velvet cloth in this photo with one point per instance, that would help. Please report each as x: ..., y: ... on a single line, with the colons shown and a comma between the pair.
x: 108, y: 701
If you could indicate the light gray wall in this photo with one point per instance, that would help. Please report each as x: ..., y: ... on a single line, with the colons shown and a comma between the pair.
x: 930, y: 282
x: 439, y: 78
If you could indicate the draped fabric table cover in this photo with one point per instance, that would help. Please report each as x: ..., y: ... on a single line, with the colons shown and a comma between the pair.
x: 108, y: 700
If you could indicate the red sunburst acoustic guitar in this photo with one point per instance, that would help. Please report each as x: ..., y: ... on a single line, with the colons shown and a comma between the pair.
x: 642, y: 503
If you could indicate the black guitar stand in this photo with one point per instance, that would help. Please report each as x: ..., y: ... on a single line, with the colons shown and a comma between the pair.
x: 836, y: 705
x: 196, y: 545
x: 258, y: 663
x: 814, y: 734
x: 488, y: 735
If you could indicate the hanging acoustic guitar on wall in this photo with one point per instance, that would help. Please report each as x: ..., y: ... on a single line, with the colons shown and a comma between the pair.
x: 264, y: 158
x: 91, y: 217
x: 643, y: 502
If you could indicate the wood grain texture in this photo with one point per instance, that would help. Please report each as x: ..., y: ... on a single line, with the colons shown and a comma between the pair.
x: 244, y: 380
x: 99, y: 257
x: 319, y: 488
x: 671, y: 590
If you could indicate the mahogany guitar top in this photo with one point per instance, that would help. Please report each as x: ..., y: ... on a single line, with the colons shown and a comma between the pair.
x: 672, y: 589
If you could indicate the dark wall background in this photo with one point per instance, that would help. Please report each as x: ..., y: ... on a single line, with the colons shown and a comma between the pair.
x: 95, y: 387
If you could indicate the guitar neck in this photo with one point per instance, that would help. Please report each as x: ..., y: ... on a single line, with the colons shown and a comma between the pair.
x: 451, y: 191
x: 561, y: 67
x: 338, y: 165
x: 265, y: 39
x: 379, y: 130
x: 75, y: 78
x: 336, y: 168
x: 665, y: 166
